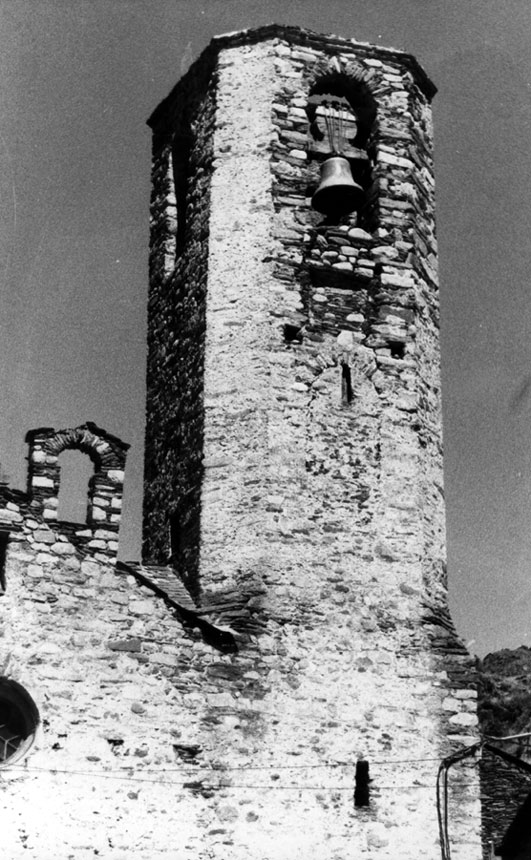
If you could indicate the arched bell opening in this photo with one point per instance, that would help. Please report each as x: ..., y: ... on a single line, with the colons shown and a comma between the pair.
x: 341, y: 114
x: 102, y: 473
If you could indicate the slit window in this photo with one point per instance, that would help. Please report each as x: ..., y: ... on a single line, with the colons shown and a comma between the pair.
x: 346, y: 384
x: 180, y: 160
x: 361, y: 791
x: 4, y: 540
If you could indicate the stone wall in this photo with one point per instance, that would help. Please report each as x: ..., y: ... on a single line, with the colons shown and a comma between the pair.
x: 289, y: 619
x: 113, y: 657
x: 316, y: 452
x: 182, y: 164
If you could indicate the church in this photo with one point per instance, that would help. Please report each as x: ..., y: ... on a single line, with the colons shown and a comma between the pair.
x: 279, y: 674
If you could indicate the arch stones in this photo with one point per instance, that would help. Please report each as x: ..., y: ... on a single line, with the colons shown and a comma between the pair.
x: 107, y: 452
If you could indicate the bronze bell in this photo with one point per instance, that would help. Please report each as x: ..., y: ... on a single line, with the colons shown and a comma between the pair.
x: 337, y: 193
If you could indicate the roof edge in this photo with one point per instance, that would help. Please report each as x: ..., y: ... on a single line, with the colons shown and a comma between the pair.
x: 304, y: 38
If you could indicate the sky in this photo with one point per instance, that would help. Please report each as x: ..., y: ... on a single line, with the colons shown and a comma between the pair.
x: 78, y: 80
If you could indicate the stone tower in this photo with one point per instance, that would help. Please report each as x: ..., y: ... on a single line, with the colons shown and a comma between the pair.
x: 293, y: 453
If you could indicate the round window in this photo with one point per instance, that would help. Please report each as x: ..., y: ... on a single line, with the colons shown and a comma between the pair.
x: 19, y: 719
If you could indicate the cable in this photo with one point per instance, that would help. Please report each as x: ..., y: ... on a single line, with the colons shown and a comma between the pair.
x: 442, y: 803
x: 200, y: 786
x: 198, y: 768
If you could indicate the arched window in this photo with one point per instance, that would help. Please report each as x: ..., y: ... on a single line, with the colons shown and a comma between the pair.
x: 4, y: 541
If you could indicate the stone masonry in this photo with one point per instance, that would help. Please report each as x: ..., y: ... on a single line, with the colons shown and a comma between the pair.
x: 293, y: 425
x: 105, y: 651
x: 279, y: 676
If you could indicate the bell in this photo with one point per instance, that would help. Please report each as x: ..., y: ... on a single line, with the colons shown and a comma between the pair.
x: 337, y: 193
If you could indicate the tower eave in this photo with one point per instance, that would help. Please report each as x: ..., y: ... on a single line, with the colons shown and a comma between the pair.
x: 304, y: 38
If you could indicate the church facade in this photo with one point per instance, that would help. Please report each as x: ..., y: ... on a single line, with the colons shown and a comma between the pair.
x: 280, y: 674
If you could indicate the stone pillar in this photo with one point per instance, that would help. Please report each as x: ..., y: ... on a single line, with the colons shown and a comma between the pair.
x: 294, y: 426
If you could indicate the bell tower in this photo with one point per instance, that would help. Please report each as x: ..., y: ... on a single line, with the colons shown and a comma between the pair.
x: 293, y: 448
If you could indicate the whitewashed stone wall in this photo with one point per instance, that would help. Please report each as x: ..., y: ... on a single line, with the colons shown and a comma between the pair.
x: 321, y: 518
x: 289, y: 618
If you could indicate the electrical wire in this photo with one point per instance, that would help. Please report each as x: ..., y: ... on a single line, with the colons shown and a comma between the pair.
x: 206, y: 786
x: 204, y: 776
x: 442, y: 795
x: 195, y: 769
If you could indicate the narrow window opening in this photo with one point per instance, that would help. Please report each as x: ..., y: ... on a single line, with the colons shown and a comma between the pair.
x: 181, y: 159
x: 4, y: 539
x: 361, y: 790
x: 76, y: 472
x: 346, y: 384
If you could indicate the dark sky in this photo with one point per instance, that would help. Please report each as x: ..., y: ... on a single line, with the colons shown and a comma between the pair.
x: 79, y: 78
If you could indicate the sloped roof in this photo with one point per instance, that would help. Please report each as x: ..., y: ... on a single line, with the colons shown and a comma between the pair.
x: 164, y: 581
x: 518, y: 836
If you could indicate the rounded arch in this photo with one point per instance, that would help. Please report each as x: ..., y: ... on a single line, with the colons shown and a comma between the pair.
x: 351, y: 81
x: 19, y: 719
x: 107, y: 452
